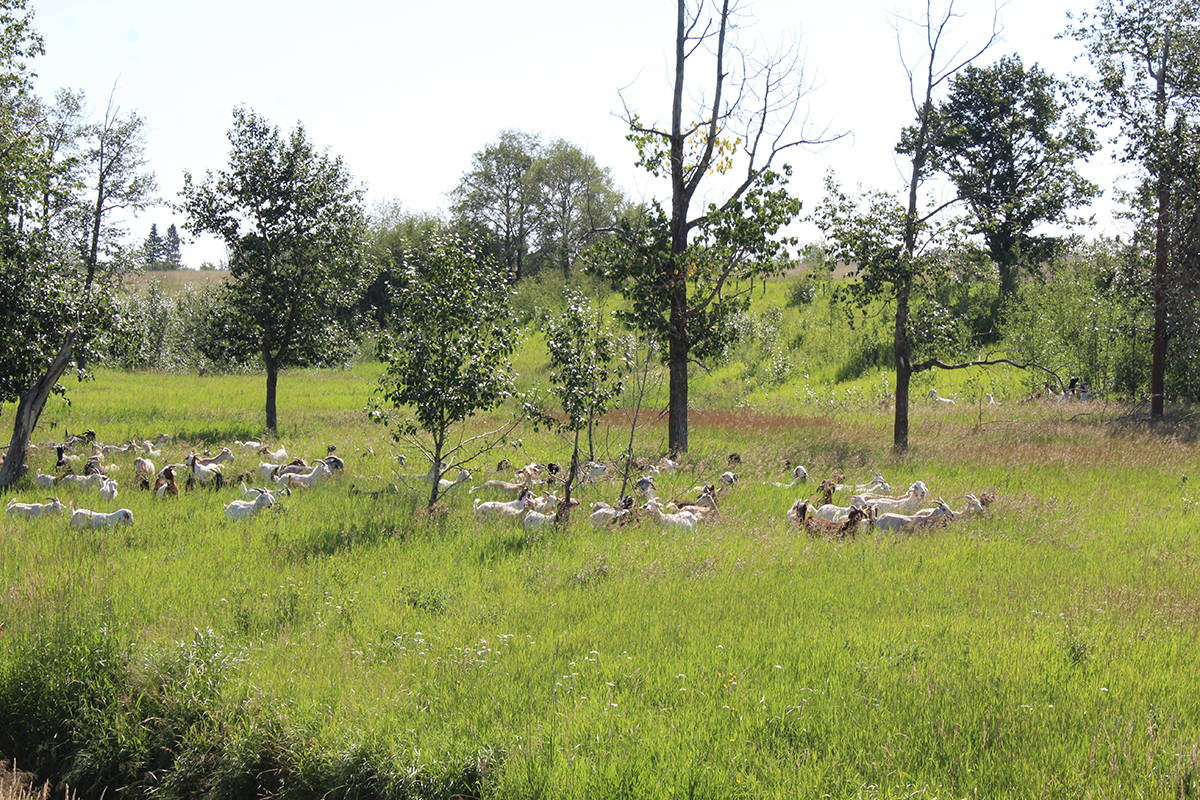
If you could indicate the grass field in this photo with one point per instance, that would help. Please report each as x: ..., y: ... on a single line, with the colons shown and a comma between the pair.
x: 350, y: 647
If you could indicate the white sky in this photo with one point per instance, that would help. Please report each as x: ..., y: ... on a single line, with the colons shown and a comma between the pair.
x: 407, y: 91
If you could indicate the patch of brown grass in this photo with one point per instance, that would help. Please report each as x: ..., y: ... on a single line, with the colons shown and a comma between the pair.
x: 17, y: 784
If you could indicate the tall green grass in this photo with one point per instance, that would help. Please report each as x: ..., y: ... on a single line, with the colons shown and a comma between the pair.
x: 353, y: 647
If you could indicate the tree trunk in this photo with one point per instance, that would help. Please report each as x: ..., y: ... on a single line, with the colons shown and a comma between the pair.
x: 563, y: 515
x: 272, y: 379
x: 29, y: 410
x: 677, y: 364
x: 436, y: 474
x: 903, y: 369
x: 1158, y: 353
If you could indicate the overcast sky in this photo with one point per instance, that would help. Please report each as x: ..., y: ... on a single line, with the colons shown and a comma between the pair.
x: 407, y: 91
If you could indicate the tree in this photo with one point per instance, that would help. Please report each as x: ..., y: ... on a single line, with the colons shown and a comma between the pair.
x: 575, y: 198
x: 683, y: 271
x: 446, y: 357
x: 152, y: 248
x: 584, y: 376
x: 498, y: 195
x: 58, y: 245
x: 295, y: 227
x: 1146, y: 54
x: 1005, y: 140
x: 895, y: 246
x: 171, y: 250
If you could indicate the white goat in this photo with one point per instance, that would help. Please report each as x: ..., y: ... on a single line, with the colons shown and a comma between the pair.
x: 835, y: 513
x: 904, y: 522
x: 143, y: 468
x: 205, y: 473
x: 244, y: 509
x: 320, y: 473
x: 595, y: 470
x: 267, y: 470
x: 510, y: 509
x: 44, y: 481
x: 108, y: 489
x: 684, y: 520
x: 277, y: 455
x: 83, y: 518
x: 94, y: 480
x: 34, y: 510
x: 946, y: 401
x: 906, y: 504
x: 445, y: 485
x: 211, y: 461
x: 536, y: 519
x: 250, y: 446
x: 504, y: 487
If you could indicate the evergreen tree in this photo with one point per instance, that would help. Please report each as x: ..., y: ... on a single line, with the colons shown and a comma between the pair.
x: 171, y: 254
x: 152, y: 248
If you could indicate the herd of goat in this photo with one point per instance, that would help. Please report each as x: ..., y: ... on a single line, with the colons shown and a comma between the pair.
x: 871, y: 503
x: 83, y: 462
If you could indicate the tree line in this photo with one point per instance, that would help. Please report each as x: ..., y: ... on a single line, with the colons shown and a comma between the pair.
x: 309, y: 267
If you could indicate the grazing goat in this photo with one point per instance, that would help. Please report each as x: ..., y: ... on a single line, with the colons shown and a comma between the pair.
x: 225, y: 455
x: 445, y: 485
x: 165, y: 486
x: 904, y: 522
x: 535, y: 519
x: 836, y: 513
x: 897, y: 505
x: 666, y: 464
x: 595, y: 471
x: 249, y: 447
x: 83, y: 518
x: 604, y: 514
x: 503, y: 487
x: 735, y: 459
x: 34, y: 510
x: 108, y: 489
x: 205, y: 474
x: 946, y: 401
x: 825, y: 528
x: 244, y: 509
x: 684, y: 520
x: 44, y: 481
x: 277, y: 455
x: 87, y: 481
x: 644, y: 484
x: 319, y: 474
x: 143, y: 467
x: 334, y: 463
x: 729, y: 478
x: 799, y: 475
x: 494, y: 507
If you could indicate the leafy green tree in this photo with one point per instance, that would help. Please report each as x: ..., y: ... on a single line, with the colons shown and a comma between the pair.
x: 585, y: 375
x: 687, y: 273
x: 295, y: 228
x: 447, y: 354
x: 1146, y: 54
x: 152, y: 248
x: 171, y: 250
x: 576, y: 197
x: 499, y: 196
x: 1004, y: 138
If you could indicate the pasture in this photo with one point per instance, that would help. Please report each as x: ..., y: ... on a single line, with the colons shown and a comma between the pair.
x: 350, y: 646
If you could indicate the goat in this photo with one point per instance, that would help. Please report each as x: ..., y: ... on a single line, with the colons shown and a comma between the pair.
x: 535, y: 519
x: 83, y: 518
x: 835, y: 513
x: 249, y: 447
x: 90, y: 481
x: 510, y: 509
x: 904, y: 522
x: 898, y: 505
x: 108, y: 489
x: 266, y: 470
x: 143, y: 467
x: 244, y: 509
x: 816, y: 526
x: 595, y: 471
x: 946, y: 401
x: 543, y: 505
x: 735, y: 459
x: 684, y: 520
x: 704, y: 505
x: 319, y: 474
x: 44, y: 481
x: 503, y: 465
x: 529, y: 473
x: 277, y: 455
x: 603, y: 514
x: 729, y: 478
x: 295, y: 466
x: 644, y: 484
x: 205, y: 474
x: 165, y: 486
x: 225, y: 455
x: 513, y: 489
x: 445, y: 485
x: 334, y: 463
x: 34, y: 510
x: 799, y: 475
x: 666, y: 464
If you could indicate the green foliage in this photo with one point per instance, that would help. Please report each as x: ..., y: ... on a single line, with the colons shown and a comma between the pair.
x: 585, y: 365
x: 1005, y: 140
x: 447, y: 356
x: 295, y: 228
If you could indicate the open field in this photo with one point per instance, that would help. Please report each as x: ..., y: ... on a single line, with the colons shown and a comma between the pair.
x: 347, y: 646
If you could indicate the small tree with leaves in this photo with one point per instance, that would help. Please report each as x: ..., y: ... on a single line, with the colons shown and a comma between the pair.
x: 296, y: 229
x: 585, y: 376
x: 447, y: 354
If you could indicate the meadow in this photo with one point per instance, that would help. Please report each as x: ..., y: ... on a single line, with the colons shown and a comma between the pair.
x: 346, y: 645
